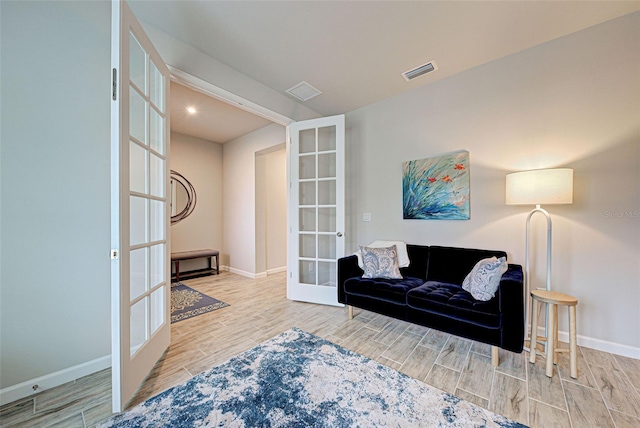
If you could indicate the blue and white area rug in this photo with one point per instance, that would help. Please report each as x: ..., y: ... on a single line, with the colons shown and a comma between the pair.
x: 300, y: 380
x: 187, y: 302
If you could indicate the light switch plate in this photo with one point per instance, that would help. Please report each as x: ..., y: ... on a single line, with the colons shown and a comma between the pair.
x: 366, y: 216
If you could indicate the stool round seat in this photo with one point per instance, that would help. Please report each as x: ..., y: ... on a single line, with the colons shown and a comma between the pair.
x: 553, y: 299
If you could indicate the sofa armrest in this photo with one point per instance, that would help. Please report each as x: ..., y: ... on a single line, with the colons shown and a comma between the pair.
x: 347, y: 268
x: 511, y: 304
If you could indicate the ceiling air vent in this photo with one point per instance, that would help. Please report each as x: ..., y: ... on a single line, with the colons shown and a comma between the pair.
x: 303, y: 91
x: 420, y: 71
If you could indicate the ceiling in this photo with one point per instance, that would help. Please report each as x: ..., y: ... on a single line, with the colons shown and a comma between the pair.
x: 355, y: 51
x: 213, y: 120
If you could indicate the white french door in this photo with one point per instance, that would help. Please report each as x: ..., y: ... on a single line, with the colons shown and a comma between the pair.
x: 140, y: 281
x: 316, y: 209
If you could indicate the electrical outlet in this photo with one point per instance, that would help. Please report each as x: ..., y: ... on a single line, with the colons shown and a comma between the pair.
x: 366, y: 216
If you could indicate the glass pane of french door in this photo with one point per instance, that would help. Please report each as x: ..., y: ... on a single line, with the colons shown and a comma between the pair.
x: 317, y: 166
x: 148, y: 204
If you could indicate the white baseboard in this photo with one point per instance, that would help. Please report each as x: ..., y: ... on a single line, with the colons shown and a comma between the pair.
x: 598, y: 344
x: 25, y: 389
x: 603, y: 345
x: 254, y: 275
x: 242, y: 272
x: 276, y: 270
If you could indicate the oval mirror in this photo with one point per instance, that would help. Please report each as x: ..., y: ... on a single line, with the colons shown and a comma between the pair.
x: 183, y: 197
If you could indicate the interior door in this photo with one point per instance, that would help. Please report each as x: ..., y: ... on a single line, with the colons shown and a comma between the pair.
x: 316, y: 209
x: 140, y: 281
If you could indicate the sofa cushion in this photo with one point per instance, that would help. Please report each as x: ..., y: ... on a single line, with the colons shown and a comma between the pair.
x: 394, y: 290
x: 380, y: 262
x: 452, y: 301
x: 401, y: 247
x: 484, y: 279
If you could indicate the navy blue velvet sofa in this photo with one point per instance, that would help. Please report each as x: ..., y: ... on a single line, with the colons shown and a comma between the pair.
x: 431, y: 294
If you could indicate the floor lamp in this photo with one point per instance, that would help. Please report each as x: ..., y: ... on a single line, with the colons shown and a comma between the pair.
x: 538, y: 187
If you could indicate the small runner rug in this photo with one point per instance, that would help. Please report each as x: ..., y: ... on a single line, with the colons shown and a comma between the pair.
x: 300, y: 380
x: 187, y: 302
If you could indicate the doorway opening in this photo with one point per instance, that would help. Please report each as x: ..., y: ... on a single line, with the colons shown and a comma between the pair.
x: 202, y: 123
x: 271, y: 210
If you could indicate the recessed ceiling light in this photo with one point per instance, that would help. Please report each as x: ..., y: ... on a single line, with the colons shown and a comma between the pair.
x: 191, y: 110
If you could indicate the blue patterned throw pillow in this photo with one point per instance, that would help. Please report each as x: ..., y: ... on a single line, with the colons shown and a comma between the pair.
x: 380, y: 262
x: 484, y: 279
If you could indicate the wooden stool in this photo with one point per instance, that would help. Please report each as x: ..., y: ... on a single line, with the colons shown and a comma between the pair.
x: 554, y: 299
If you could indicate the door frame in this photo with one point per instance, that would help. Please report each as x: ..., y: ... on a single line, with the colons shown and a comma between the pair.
x: 199, y: 85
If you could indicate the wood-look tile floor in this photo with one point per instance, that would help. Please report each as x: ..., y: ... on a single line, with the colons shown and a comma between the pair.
x: 606, y: 393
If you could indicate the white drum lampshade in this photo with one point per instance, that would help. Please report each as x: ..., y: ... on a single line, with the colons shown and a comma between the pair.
x: 540, y: 187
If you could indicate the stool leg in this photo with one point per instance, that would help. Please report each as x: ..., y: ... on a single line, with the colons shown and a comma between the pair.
x: 534, y: 331
x: 573, y: 342
x: 177, y: 271
x: 350, y: 312
x: 551, y: 339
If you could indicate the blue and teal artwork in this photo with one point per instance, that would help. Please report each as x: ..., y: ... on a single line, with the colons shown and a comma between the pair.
x: 436, y: 188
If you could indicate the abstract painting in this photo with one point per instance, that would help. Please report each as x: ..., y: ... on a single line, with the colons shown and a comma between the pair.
x: 436, y: 188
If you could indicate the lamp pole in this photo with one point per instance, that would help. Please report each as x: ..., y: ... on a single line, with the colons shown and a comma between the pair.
x: 527, y: 280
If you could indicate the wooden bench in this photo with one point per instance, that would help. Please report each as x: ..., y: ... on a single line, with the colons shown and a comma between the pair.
x: 195, y: 254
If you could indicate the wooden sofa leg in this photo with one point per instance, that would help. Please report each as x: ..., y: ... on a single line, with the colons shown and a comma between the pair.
x: 494, y: 356
x: 350, y: 312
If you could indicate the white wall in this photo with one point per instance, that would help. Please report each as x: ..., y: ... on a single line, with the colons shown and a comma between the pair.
x: 200, y: 161
x: 54, y: 284
x: 239, y: 196
x: 572, y: 102
x: 271, y: 210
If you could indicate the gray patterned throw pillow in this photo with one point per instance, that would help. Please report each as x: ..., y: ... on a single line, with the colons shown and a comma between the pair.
x: 380, y: 262
x: 483, y: 280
